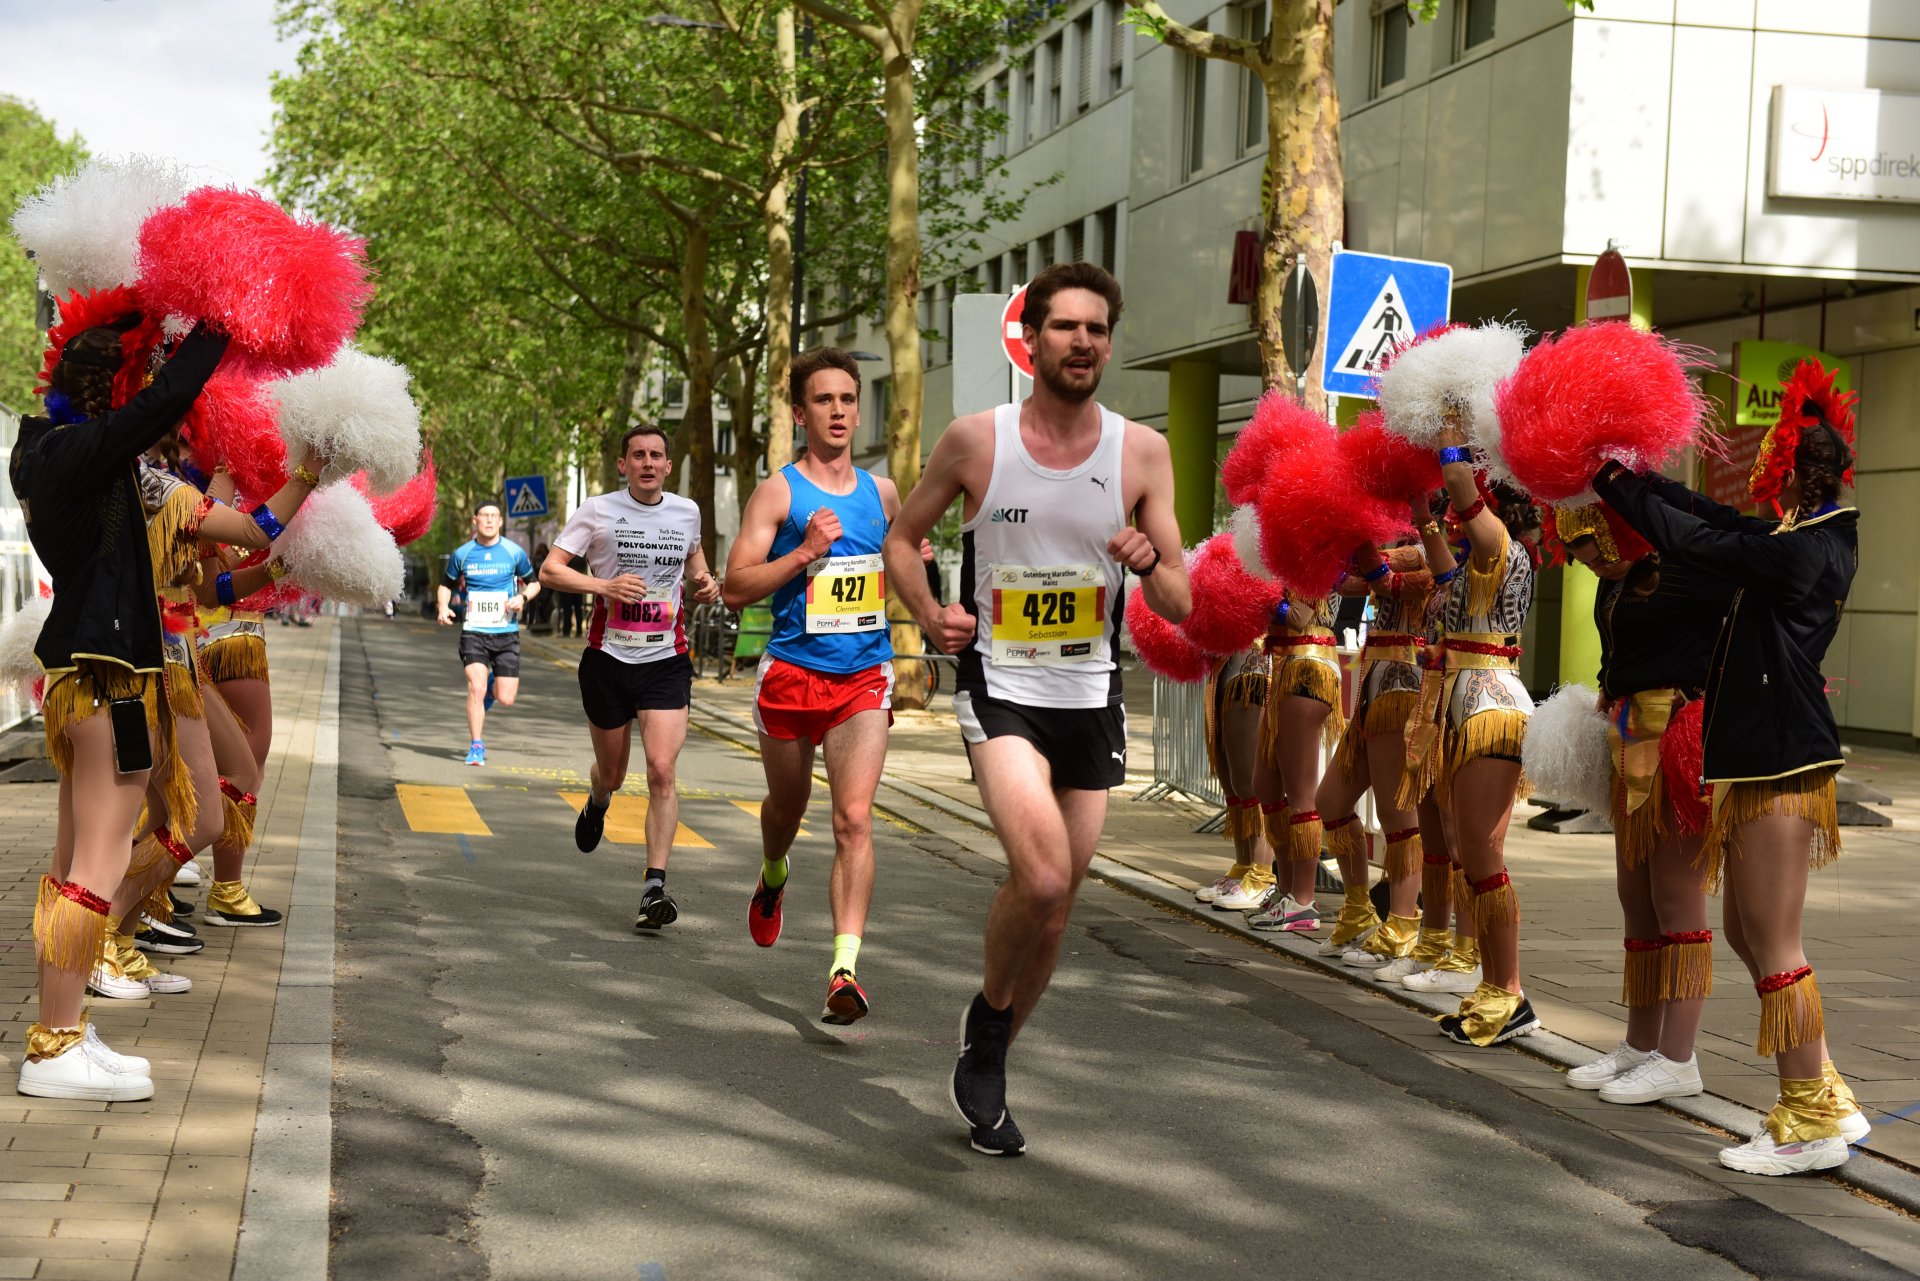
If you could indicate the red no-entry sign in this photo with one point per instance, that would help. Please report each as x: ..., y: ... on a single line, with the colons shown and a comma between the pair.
x: 1011, y: 333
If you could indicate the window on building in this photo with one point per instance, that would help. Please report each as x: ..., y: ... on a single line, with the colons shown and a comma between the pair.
x: 1083, y: 68
x: 1109, y: 237
x: 1003, y: 100
x: 1195, y: 109
x: 674, y: 393
x: 995, y: 275
x: 1389, y: 46
x: 924, y: 317
x: 843, y: 302
x: 1253, y: 94
x: 1056, y: 55
x: 1117, y: 37
x: 1476, y: 23
x: 1032, y: 77
x: 1077, y: 241
x: 882, y: 407
x: 948, y: 290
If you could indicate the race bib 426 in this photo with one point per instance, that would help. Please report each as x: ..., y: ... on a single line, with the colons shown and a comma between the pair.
x: 846, y: 594
x: 1048, y: 617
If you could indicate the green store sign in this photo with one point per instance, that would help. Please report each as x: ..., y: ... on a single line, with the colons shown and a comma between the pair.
x: 1762, y: 368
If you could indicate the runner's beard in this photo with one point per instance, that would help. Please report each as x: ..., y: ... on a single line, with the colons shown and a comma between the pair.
x: 1053, y: 377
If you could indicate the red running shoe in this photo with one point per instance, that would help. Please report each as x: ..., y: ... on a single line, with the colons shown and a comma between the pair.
x: 846, y: 1000
x: 763, y: 913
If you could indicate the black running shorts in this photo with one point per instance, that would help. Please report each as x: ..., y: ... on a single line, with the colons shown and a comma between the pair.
x: 498, y: 652
x: 612, y: 692
x: 1085, y: 746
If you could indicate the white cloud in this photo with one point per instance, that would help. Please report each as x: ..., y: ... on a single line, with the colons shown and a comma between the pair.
x: 187, y: 79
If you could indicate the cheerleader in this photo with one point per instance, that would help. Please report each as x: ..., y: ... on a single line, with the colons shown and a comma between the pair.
x: 1656, y: 623
x: 1770, y: 745
x: 1302, y: 713
x: 101, y: 648
x: 1484, y: 709
x: 1236, y: 699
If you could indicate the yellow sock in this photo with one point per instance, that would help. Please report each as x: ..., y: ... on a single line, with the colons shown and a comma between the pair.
x: 846, y: 951
x: 774, y: 874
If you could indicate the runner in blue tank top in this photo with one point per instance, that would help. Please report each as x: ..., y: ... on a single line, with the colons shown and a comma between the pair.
x: 810, y: 538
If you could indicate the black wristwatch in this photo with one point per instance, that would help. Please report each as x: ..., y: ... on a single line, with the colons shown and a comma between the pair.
x: 1149, y: 569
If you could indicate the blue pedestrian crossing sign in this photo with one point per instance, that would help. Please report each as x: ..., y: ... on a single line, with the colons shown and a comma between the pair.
x: 1374, y: 304
x: 526, y: 496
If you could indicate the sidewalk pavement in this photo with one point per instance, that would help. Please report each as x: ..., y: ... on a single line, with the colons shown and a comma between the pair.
x: 1859, y: 922
x: 158, y: 1189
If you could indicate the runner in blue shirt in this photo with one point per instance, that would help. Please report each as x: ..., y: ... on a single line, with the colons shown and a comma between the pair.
x: 498, y: 580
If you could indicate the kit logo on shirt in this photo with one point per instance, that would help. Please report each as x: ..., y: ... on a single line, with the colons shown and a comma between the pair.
x: 1009, y: 515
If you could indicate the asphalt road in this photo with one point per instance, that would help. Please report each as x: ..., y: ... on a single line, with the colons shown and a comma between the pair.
x: 525, y: 1088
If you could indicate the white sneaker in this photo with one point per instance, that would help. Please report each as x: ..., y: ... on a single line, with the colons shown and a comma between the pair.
x: 1396, y: 971
x: 1330, y: 948
x: 1460, y: 981
x: 1283, y: 912
x: 81, y: 1074
x: 1854, y: 1127
x: 1208, y: 893
x: 1618, y: 1061
x: 1657, y: 1077
x: 1243, y: 895
x: 105, y: 1055
x: 1761, y: 1155
x: 162, y: 982
x: 189, y: 873
x: 108, y: 981
x: 1360, y: 959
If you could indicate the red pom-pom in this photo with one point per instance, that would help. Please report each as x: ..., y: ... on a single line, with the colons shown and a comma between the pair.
x: 287, y: 290
x: 80, y: 312
x: 1230, y: 606
x: 406, y: 513
x: 1385, y: 463
x: 1682, y: 759
x: 1313, y: 513
x: 1277, y: 424
x: 1597, y: 392
x: 234, y: 423
x: 1162, y: 647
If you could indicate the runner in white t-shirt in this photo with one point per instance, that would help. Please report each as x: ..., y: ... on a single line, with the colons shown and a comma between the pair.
x: 642, y: 546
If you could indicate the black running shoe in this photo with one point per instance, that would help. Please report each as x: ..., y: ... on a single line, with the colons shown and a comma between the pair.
x: 181, y: 908
x: 1522, y: 1022
x: 979, y: 1085
x: 591, y: 825
x: 1003, y: 1139
x: 153, y: 940
x: 176, y: 928
x: 657, y: 908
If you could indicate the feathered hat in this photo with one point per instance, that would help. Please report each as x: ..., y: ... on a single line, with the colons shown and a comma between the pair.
x: 117, y: 308
x: 1807, y: 398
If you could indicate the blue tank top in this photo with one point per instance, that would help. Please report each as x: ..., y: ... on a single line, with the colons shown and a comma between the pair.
x: 833, y: 617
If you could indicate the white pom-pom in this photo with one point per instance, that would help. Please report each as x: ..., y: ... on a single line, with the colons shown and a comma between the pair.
x: 1457, y: 370
x: 1566, y: 756
x: 356, y: 410
x: 1246, y: 543
x: 18, y: 635
x: 83, y: 229
x: 335, y: 548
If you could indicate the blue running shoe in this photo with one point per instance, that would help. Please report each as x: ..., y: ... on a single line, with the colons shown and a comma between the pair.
x: 486, y: 704
x: 477, y: 753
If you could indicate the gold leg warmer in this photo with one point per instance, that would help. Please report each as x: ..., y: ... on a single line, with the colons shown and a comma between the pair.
x: 1404, y: 854
x: 1641, y: 984
x: 70, y: 926
x: 1807, y: 1110
x: 1790, y: 1013
x: 1686, y: 965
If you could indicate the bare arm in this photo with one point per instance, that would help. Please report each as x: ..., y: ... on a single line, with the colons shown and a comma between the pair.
x: 1155, y: 530
x: 750, y: 575
x: 951, y: 628
x: 225, y: 525
x: 1486, y: 534
x: 706, y: 588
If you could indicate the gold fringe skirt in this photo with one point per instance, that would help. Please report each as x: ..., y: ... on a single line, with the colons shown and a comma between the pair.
x: 1308, y: 678
x: 91, y: 685
x: 1809, y: 794
x: 1497, y: 731
x: 240, y: 657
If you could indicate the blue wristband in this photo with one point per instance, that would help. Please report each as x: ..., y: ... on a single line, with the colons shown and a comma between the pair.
x: 1455, y: 454
x: 223, y: 588
x: 269, y: 523
x: 1441, y: 580
x: 1377, y: 573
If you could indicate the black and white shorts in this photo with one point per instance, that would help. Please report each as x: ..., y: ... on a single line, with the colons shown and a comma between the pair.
x: 613, y: 692
x: 498, y: 652
x: 1086, y: 747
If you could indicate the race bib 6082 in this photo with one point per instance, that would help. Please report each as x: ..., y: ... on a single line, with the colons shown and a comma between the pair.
x: 640, y: 624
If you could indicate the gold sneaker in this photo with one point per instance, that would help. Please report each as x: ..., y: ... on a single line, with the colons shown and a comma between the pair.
x: 228, y: 903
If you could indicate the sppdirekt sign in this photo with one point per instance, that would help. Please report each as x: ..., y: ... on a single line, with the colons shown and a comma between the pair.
x: 1844, y: 144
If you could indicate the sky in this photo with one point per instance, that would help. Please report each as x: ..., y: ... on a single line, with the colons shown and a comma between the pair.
x: 184, y: 79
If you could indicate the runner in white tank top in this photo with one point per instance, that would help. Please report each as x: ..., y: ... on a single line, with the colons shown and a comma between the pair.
x: 1050, y: 486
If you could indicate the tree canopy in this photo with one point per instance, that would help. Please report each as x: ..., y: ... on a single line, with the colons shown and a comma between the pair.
x: 32, y: 154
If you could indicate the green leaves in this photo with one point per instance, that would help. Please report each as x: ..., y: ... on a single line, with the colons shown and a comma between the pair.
x: 32, y: 154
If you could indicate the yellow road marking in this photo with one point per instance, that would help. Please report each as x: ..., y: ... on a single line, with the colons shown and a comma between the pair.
x: 627, y: 821
x: 445, y: 810
x: 753, y: 808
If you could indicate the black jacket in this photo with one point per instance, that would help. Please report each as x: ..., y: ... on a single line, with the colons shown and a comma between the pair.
x: 1662, y: 639
x: 85, y: 521
x: 1766, y: 711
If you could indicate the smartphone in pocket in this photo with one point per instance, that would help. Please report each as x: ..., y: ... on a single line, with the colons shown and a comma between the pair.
x: 132, y: 744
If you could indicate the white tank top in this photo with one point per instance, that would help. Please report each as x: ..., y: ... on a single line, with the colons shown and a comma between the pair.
x: 1037, y: 575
